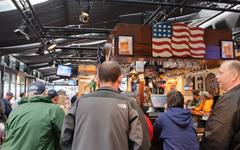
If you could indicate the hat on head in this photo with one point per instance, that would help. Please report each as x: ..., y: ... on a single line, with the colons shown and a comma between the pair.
x: 36, y: 87
x: 9, y: 94
x: 52, y: 93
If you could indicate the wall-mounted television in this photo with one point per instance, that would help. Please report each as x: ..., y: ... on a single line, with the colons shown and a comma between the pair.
x: 158, y: 101
x: 65, y: 71
x: 227, y: 50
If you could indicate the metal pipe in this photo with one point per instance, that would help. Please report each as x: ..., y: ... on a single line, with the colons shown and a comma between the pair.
x: 212, y: 17
x: 173, y: 5
x: 39, y: 66
x: 77, y: 48
x: 223, y: 1
x: 80, y: 58
x: 74, y: 37
x: 173, y: 10
x: 82, y: 30
x: 156, y: 12
x: 26, y: 47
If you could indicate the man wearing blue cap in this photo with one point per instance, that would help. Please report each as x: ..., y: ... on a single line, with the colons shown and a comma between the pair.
x: 36, y: 123
x: 53, y: 95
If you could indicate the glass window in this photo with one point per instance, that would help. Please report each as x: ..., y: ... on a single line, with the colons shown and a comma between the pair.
x: 35, y: 73
x: 22, y: 84
x: 13, y: 63
x: 28, y: 82
x: 18, y: 65
x: 13, y: 85
x: 18, y: 87
x: 7, y: 60
x: 21, y: 67
x: 6, y: 83
x: 2, y: 60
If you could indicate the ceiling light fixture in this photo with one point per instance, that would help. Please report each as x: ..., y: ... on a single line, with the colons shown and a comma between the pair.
x: 84, y: 17
x: 23, y: 30
x: 84, y: 14
x: 51, y: 44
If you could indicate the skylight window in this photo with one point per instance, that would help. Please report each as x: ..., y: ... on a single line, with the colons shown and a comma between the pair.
x: 6, y: 5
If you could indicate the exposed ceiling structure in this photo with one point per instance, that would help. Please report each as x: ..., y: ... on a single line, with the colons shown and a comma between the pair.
x: 80, y: 37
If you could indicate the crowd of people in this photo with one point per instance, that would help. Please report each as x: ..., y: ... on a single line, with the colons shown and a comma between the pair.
x: 109, y: 120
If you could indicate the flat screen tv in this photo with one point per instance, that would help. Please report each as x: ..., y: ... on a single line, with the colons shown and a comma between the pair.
x: 64, y: 71
x: 158, y: 101
x: 227, y: 50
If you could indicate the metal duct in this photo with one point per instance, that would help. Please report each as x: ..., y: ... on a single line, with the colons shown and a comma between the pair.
x: 26, y: 47
x: 229, y: 18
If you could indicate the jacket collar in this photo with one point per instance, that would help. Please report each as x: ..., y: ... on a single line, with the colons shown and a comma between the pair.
x: 233, y: 89
x: 37, y: 98
x: 229, y: 92
x: 107, y: 89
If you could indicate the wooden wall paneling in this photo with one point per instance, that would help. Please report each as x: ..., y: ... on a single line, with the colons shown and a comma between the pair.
x: 141, y: 37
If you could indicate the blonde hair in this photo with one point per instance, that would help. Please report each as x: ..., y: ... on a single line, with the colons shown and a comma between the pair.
x: 205, y: 94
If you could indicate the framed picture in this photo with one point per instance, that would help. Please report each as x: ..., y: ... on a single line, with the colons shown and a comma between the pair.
x: 227, y: 50
x: 188, y: 84
x: 125, y: 45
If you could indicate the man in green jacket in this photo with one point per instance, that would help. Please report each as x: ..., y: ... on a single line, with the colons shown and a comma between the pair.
x: 35, y: 124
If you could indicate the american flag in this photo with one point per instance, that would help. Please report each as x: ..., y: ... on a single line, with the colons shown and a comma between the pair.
x: 177, y: 40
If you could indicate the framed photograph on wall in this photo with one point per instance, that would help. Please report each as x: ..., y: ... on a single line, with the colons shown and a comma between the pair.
x: 227, y: 50
x: 125, y: 45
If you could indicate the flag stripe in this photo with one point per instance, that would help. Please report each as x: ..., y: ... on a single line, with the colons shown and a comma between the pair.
x: 162, y: 47
x: 162, y: 50
x: 185, y: 34
x: 189, y: 45
x: 187, y: 49
x: 186, y: 29
x: 183, y: 25
x: 162, y: 54
x: 187, y: 39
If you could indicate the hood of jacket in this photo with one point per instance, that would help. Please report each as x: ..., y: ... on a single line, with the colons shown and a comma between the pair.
x: 37, y: 98
x: 179, y: 116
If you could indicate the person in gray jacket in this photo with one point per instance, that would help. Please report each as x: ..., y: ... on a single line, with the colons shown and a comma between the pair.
x: 105, y: 119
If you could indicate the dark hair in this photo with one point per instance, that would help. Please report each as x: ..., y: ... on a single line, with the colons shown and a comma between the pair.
x: 109, y: 71
x: 196, y: 92
x: 175, y: 99
x: 22, y: 94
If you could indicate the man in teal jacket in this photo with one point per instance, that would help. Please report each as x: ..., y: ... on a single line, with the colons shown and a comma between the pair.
x: 35, y: 124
